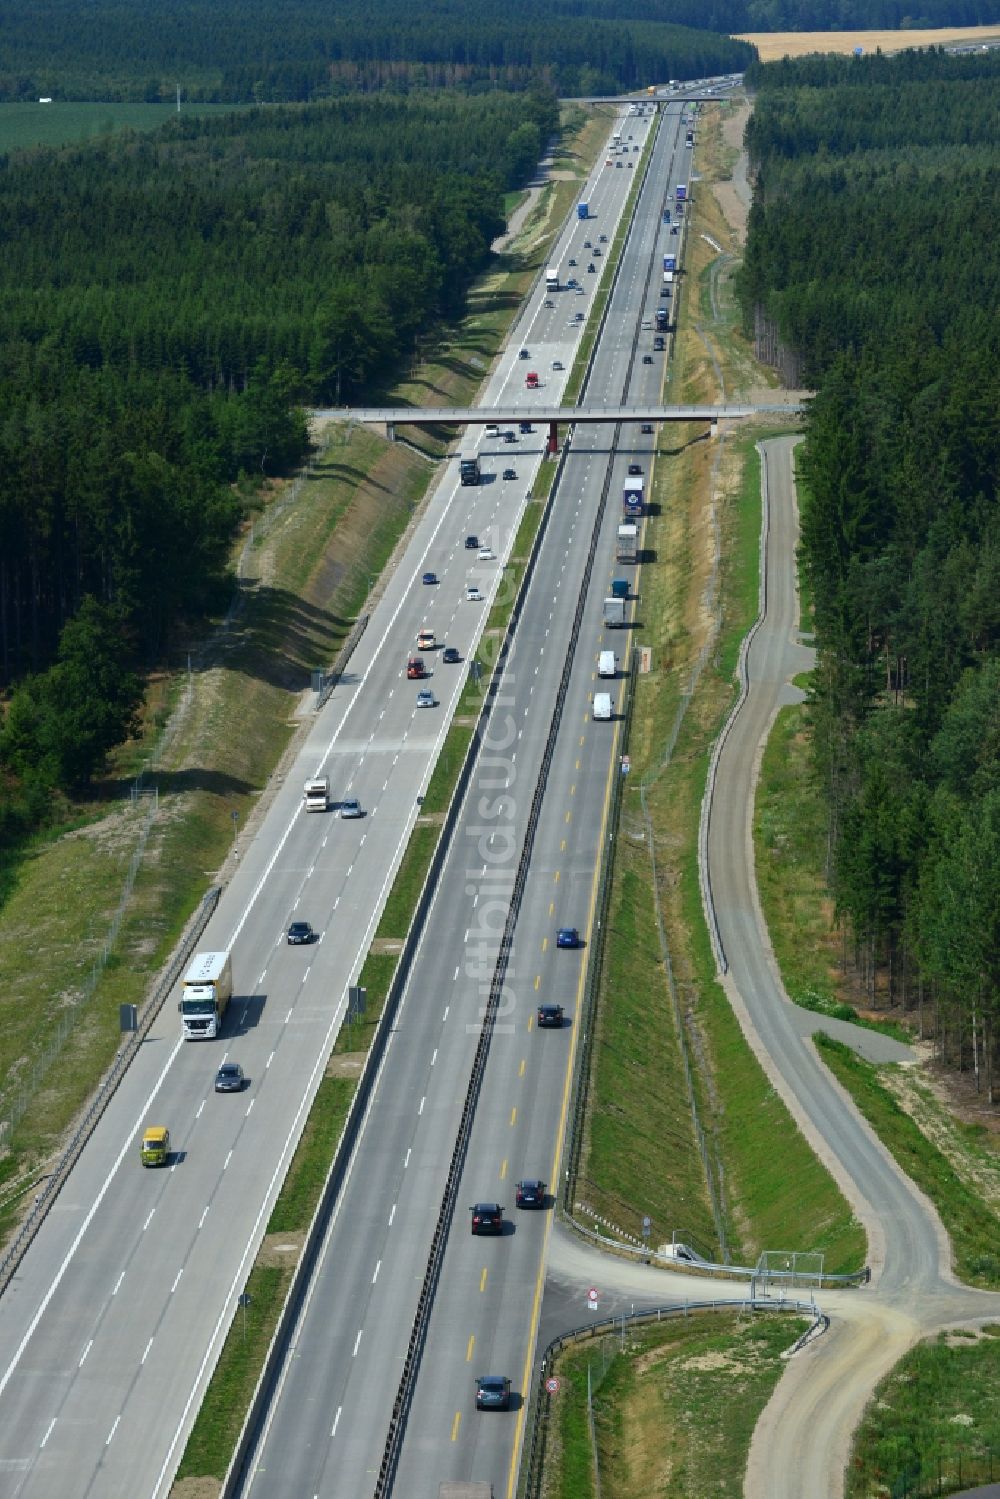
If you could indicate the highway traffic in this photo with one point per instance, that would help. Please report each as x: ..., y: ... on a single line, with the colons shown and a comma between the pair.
x: 113, y: 1323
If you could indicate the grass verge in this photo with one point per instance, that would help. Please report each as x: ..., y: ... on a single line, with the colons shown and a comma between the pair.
x: 311, y: 565
x: 700, y: 491
x: 437, y: 797
x: 933, y: 1424
x: 973, y: 1228
x: 673, y: 1411
x: 213, y: 1437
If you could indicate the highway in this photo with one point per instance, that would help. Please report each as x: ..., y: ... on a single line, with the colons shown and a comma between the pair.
x: 327, y: 1429
x: 111, y: 1327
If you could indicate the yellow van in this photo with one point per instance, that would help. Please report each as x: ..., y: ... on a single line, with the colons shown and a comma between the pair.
x: 156, y: 1146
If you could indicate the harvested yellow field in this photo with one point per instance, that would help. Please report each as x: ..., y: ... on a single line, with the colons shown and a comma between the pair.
x: 774, y: 44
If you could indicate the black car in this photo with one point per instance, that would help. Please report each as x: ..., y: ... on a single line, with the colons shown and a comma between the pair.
x: 591, y: 268
x: 530, y: 1193
x: 571, y: 261
x: 510, y: 473
x: 597, y: 250
x: 587, y: 245
x: 673, y: 229
x: 647, y: 429
x: 430, y: 578
x: 229, y: 1078
x: 487, y: 1218
x: 604, y: 240
x: 492, y: 1392
x: 300, y: 933
x: 510, y: 437
x: 525, y: 426
x: 647, y: 358
x: 524, y: 354
x: 550, y: 1017
x: 635, y: 468
x: 567, y: 936
x: 450, y: 656
x: 472, y: 543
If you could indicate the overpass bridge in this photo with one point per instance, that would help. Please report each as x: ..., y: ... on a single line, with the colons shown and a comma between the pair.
x: 391, y: 417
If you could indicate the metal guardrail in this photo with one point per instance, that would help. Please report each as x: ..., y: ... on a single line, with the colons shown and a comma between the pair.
x: 281, y: 1340
x: 105, y: 1091
x: 541, y: 1399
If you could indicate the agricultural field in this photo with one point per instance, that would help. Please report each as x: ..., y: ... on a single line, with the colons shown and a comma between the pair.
x: 65, y: 124
x: 774, y: 44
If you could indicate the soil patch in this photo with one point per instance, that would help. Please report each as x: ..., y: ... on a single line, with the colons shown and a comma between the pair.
x: 281, y: 1250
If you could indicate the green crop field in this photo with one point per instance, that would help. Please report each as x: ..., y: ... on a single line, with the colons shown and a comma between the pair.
x: 63, y: 124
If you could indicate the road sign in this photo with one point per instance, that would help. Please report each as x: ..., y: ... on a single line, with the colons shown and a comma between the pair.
x: 592, y: 1299
x: 552, y: 1385
x: 626, y: 765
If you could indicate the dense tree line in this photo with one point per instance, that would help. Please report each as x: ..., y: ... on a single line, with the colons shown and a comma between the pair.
x: 167, y: 302
x: 873, y: 252
x: 305, y: 50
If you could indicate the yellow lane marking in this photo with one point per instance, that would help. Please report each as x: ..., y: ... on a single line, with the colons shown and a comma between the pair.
x: 483, y: 1279
x: 560, y: 1136
x: 538, y: 980
x: 455, y: 1425
x: 569, y: 816
x: 562, y: 850
x: 552, y: 907
x: 503, y: 1169
x: 531, y: 1021
x: 520, y: 1070
x: 513, y: 1115
x: 557, y: 877
x: 572, y: 789
x: 468, y: 1351
x: 545, y: 943
x: 578, y: 765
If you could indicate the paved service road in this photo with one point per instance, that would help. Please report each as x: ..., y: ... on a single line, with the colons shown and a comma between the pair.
x: 801, y: 1444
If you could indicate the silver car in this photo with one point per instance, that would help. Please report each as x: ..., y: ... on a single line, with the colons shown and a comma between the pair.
x: 351, y: 808
x: 425, y: 698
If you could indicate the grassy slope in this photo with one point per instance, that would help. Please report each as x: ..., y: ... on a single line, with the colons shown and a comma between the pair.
x: 673, y: 1413
x: 773, y: 1198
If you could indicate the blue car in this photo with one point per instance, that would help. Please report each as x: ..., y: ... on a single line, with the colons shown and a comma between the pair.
x: 567, y: 936
x: 430, y: 577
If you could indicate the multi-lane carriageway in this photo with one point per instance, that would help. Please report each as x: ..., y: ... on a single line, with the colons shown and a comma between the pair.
x: 113, y: 1323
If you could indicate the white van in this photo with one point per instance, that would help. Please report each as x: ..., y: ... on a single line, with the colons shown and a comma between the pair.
x: 602, y: 704
x: 606, y: 664
x: 492, y: 430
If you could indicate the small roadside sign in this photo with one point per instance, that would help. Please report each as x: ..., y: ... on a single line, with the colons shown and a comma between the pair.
x: 552, y: 1385
x: 592, y: 1299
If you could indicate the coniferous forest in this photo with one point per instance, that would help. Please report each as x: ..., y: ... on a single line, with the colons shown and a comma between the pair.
x: 168, y: 302
x: 236, y: 51
x: 873, y: 255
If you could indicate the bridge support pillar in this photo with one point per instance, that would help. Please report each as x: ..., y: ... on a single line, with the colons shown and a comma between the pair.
x: 552, y: 446
x: 390, y: 432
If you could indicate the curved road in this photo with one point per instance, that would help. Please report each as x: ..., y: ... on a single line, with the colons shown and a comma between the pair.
x: 802, y: 1441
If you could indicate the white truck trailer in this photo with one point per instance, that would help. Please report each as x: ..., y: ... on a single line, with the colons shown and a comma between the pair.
x: 206, y: 990
x: 627, y: 549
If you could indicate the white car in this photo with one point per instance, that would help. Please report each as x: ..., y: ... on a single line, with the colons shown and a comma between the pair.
x: 425, y: 698
x: 486, y: 555
x: 473, y: 593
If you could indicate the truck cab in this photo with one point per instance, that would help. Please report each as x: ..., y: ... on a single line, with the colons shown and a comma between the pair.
x: 531, y: 380
x: 155, y: 1149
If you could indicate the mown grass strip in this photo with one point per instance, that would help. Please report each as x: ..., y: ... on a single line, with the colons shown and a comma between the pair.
x: 674, y: 1408
x: 973, y: 1229
x: 409, y: 881
x: 437, y: 797
x: 772, y: 1199
x: 933, y: 1424
x: 217, y: 1426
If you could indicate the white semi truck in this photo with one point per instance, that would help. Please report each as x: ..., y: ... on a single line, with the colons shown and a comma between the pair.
x: 206, y: 990
x: 552, y: 278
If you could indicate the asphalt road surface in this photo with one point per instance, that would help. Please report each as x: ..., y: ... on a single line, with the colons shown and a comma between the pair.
x: 111, y: 1327
x: 328, y: 1427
